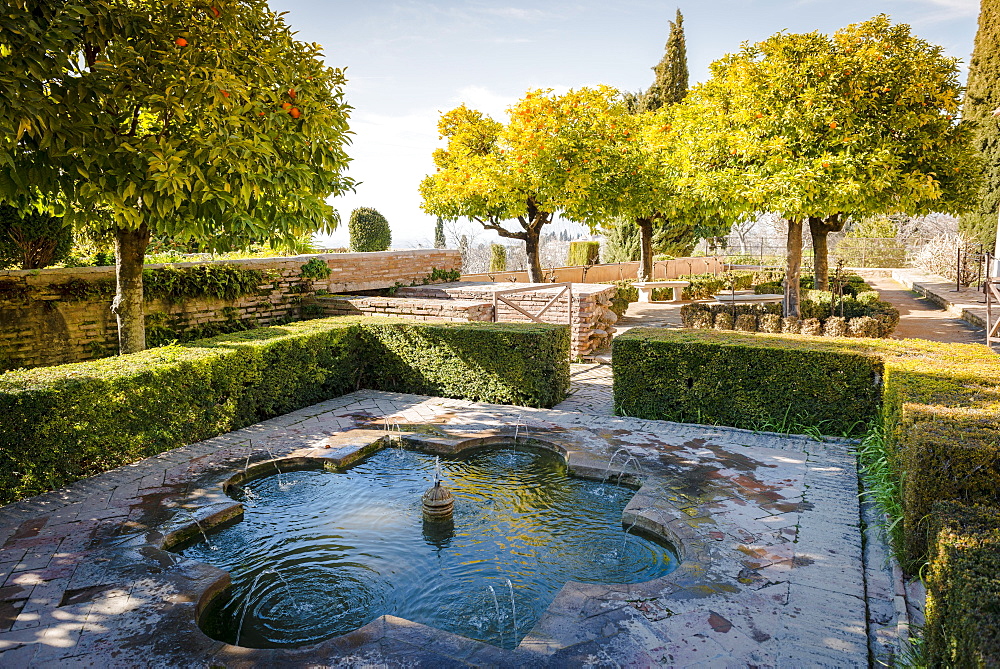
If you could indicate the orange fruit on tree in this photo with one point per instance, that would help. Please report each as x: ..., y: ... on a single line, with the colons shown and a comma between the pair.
x: 286, y: 105
x: 833, y: 124
x: 291, y: 93
x: 180, y: 41
x: 294, y: 111
x: 215, y: 12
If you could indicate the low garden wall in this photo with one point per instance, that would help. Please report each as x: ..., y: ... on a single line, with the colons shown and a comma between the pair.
x: 936, y: 405
x: 62, y: 423
x: 591, y: 325
x: 606, y: 272
x: 55, y: 316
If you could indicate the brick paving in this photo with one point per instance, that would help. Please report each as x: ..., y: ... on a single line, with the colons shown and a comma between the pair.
x: 772, y: 570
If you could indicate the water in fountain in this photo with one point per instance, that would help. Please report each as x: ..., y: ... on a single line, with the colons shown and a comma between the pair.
x: 351, y: 546
x: 611, y: 462
x: 513, y: 609
x: 246, y: 605
x: 270, y: 454
x: 496, y: 605
x: 201, y: 529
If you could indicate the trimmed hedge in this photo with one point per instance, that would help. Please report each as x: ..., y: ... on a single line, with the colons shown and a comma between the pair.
x: 743, y: 380
x: 59, y: 424
x: 583, y: 253
x: 963, y: 587
x: 879, y: 318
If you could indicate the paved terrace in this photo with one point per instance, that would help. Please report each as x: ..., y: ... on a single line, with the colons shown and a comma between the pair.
x: 773, y: 567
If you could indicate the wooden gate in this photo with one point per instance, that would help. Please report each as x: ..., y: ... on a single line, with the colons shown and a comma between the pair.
x: 498, y: 297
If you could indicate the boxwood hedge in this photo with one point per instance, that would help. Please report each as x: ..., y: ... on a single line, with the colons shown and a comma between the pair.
x: 744, y: 381
x: 59, y: 424
x: 963, y: 587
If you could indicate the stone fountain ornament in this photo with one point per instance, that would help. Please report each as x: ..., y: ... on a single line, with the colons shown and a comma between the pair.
x: 438, y: 501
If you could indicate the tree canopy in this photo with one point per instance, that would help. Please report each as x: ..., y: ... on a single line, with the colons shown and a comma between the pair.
x: 179, y: 117
x: 811, y: 126
x: 550, y: 158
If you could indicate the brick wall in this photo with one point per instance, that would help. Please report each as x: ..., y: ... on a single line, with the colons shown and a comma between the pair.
x: 591, y: 319
x: 40, y: 326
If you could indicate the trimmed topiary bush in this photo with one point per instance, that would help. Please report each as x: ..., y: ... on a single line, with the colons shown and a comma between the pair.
x: 369, y: 230
x: 59, y: 424
x: 835, y: 326
x: 811, y: 326
x: 583, y: 253
x: 745, y: 323
x: 864, y: 326
x: 770, y: 323
x: 724, y: 320
x: 498, y: 258
x: 791, y: 325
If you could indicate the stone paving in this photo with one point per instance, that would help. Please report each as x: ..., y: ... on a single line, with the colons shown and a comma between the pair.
x: 772, y: 566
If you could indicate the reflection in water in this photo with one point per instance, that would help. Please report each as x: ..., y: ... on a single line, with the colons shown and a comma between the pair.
x: 326, y: 553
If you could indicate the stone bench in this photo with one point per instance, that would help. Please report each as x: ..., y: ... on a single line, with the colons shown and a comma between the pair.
x: 646, y: 289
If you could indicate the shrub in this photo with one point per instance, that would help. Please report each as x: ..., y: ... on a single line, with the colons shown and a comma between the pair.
x: 369, y: 230
x: 498, y: 258
x: 583, y: 253
x: 791, y: 325
x: 58, y: 424
x: 744, y: 380
x: 32, y: 240
x: 963, y: 587
x: 864, y: 326
x: 835, y: 326
x: 745, y: 323
x: 811, y: 326
x: 770, y: 323
x: 723, y: 320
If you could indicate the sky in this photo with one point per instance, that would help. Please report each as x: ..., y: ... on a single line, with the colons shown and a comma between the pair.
x: 407, y: 61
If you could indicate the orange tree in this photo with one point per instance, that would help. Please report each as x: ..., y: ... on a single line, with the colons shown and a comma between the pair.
x: 188, y: 118
x: 819, y: 129
x: 645, y: 184
x: 550, y: 159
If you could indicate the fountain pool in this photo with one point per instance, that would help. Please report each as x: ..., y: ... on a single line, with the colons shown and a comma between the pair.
x: 319, y: 553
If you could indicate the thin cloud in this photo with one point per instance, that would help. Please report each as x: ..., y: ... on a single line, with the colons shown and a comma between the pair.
x: 516, y: 13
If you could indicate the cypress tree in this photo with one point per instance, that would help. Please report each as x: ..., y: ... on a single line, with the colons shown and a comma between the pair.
x: 982, y: 97
x: 671, y: 83
x: 439, y: 240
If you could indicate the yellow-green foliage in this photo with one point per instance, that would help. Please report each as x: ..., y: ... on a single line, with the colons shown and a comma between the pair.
x: 58, y: 424
x: 963, y: 587
x: 583, y: 253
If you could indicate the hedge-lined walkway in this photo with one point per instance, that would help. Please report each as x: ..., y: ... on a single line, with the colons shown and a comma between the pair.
x: 773, y: 572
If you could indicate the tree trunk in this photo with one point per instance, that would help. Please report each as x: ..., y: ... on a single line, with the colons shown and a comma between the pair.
x: 821, y: 262
x: 531, y: 235
x: 819, y: 229
x: 645, y: 248
x: 128, y: 307
x: 794, y: 258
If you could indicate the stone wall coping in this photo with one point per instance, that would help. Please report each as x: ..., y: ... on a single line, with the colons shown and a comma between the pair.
x: 275, y: 261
